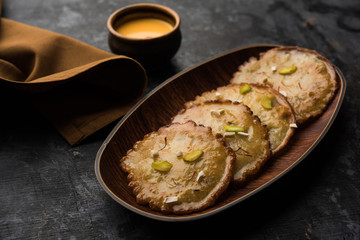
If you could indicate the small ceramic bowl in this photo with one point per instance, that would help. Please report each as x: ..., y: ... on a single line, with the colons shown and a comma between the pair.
x: 150, y: 51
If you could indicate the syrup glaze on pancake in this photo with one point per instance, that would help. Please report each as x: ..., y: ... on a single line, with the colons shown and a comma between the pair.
x: 243, y: 132
x: 306, y: 78
x: 278, y: 118
x: 162, y: 174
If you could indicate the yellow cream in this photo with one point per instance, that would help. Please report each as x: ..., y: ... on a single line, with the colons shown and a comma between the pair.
x: 144, y: 28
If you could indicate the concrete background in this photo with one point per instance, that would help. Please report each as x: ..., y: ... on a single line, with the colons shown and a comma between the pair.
x: 48, y: 190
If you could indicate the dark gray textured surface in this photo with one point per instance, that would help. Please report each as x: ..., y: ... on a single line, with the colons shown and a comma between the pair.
x: 48, y: 190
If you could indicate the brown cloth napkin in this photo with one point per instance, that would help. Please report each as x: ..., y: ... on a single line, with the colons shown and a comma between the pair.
x: 79, y: 88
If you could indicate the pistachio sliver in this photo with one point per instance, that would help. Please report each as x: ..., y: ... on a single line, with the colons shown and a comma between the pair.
x: 193, y: 156
x: 287, y: 70
x: 266, y: 102
x: 245, y: 89
x: 161, y: 166
x: 232, y: 128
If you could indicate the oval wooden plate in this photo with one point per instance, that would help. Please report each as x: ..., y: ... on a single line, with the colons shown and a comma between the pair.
x: 156, y: 110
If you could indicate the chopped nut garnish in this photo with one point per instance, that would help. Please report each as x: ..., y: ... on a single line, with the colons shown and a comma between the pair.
x: 201, y: 174
x: 273, y: 68
x: 154, y: 153
x: 266, y: 102
x: 171, y: 199
x: 283, y: 93
x: 288, y: 70
x: 179, y: 154
x: 245, y: 89
x: 293, y: 125
x: 217, y: 94
x: 232, y: 128
x: 243, y: 133
x: 161, y: 166
x: 217, y: 113
x: 229, y: 134
x: 193, y: 156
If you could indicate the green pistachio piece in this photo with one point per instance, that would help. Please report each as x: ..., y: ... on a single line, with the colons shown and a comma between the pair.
x: 288, y: 70
x: 245, y: 89
x: 161, y: 166
x: 266, y: 102
x: 232, y: 128
x: 193, y: 156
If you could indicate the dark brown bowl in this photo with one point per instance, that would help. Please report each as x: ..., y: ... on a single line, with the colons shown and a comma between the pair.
x: 149, y: 52
x: 159, y: 106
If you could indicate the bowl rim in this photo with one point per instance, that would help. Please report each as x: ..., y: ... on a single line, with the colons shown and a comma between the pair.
x: 142, y: 6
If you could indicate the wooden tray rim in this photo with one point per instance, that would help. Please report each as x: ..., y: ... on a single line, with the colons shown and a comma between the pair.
x: 180, y: 218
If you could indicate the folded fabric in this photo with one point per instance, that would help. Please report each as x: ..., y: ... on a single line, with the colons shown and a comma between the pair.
x: 79, y: 88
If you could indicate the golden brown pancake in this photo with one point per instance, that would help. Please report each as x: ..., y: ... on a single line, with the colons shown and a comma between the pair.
x: 243, y: 132
x: 306, y: 78
x: 278, y: 118
x: 180, y: 168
